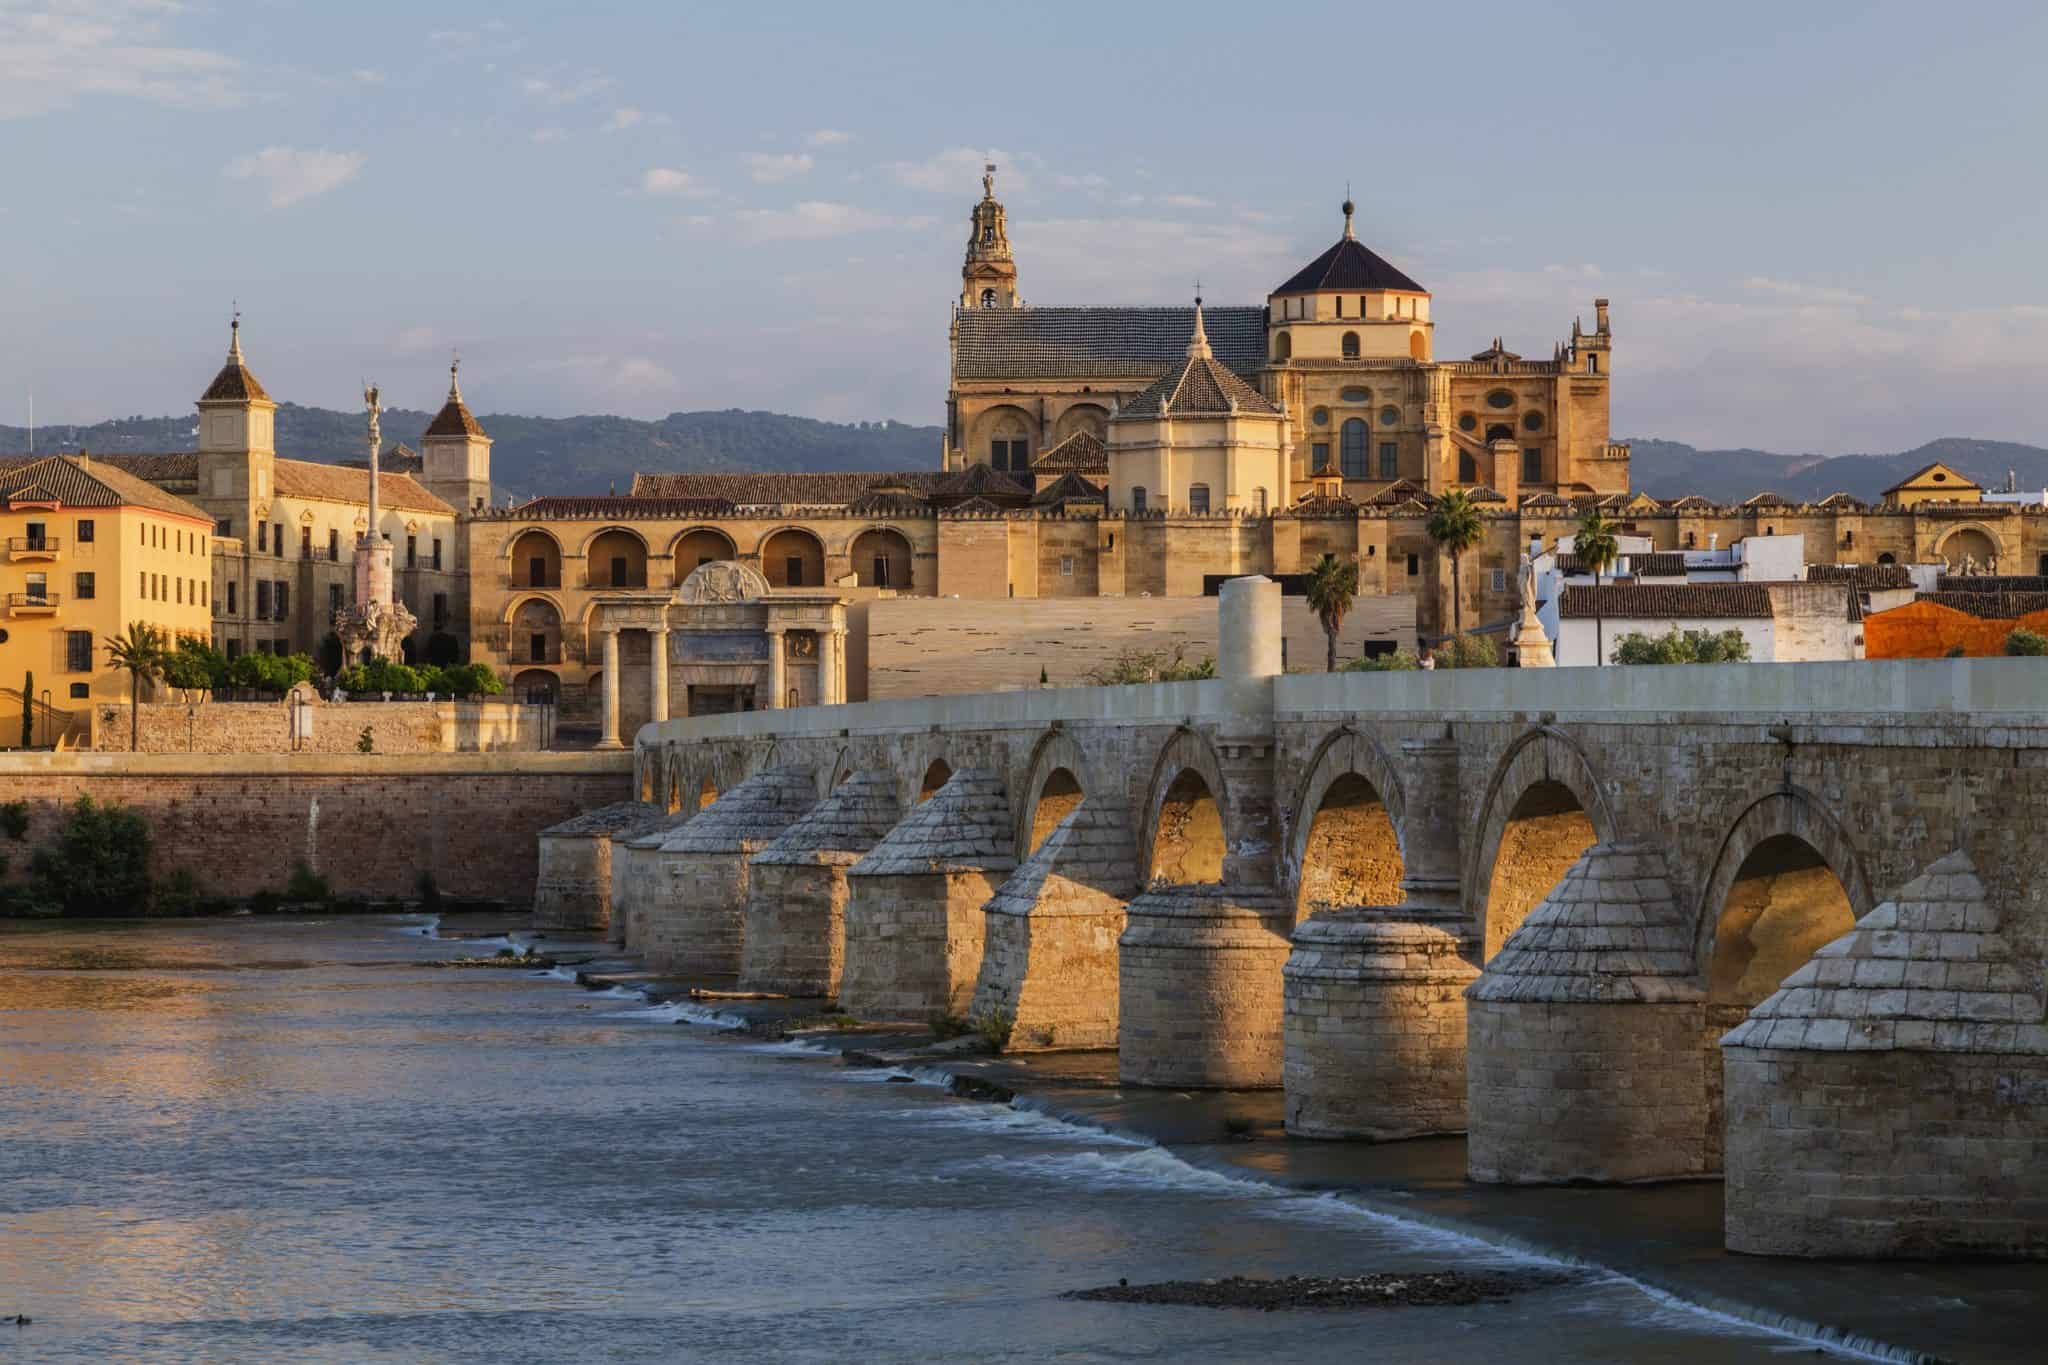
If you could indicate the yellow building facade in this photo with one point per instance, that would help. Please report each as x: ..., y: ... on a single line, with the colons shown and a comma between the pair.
x: 90, y: 550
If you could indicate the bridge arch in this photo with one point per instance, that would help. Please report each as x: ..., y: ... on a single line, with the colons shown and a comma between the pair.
x: 1543, y: 807
x: 1759, y: 844
x: 1343, y: 841
x: 1056, y: 782
x: 1187, y: 813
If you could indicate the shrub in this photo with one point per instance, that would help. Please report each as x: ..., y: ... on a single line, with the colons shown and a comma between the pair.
x: 1468, y: 651
x: 305, y: 885
x: 381, y: 675
x: 1135, y: 665
x: 994, y: 1027
x: 98, y: 865
x: 366, y: 742
x: 1682, y: 647
x: 2024, y: 643
x: 946, y: 1026
x: 1400, y: 661
x: 1956, y: 652
x: 269, y: 672
x: 195, y: 666
x: 177, y: 894
x: 14, y: 819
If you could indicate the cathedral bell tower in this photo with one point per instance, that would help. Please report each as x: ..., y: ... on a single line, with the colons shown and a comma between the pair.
x: 237, y: 444
x: 988, y: 279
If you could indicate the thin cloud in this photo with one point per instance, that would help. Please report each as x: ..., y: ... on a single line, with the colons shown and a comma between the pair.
x: 574, y: 90
x: 546, y: 136
x: 829, y: 137
x: 668, y: 180
x: 955, y: 170
x: 816, y: 219
x: 290, y: 174
x: 52, y: 54
x: 769, y: 169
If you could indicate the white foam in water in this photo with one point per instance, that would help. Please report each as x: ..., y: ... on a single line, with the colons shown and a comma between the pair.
x: 1014, y: 1122
x: 682, y: 1011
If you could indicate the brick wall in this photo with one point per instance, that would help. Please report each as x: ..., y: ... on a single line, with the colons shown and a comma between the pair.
x: 369, y: 824
x: 264, y: 727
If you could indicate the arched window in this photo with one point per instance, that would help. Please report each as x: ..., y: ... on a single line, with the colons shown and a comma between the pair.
x: 1351, y: 449
x: 1499, y: 431
x: 1886, y: 558
x: 1138, y: 500
x: 1198, y: 497
x: 1283, y: 346
x: 988, y: 298
x: 1351, y: 345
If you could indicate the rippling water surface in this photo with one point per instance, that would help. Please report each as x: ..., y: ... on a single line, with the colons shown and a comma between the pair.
x: 287, y: 1140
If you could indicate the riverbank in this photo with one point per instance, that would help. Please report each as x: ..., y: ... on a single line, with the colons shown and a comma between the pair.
x: 1664, y: 1238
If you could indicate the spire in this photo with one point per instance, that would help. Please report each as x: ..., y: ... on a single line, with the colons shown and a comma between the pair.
x: 1349, y: 209
x: 1198, y: 344
x: 235, y: 339
x: 454, y: 382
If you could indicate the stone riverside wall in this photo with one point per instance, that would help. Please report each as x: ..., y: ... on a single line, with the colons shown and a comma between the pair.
x: 370, y: 824
x: 264, y: 727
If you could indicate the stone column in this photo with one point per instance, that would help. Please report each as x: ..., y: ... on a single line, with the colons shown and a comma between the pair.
x: 835, y: 665
x: 778, y: 669
x: 658, y: 651
x: 1429, y: 828
x: 610, y: 738
x: 1248, y: 639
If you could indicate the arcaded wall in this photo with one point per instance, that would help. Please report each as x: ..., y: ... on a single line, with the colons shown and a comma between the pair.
x: 1352, y: 856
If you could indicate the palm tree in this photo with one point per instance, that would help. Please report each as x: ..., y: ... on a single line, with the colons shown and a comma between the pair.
x: 1595, y: 548
x: 1455, y: 527
x: 141, y: 652
x: 1332, y: 587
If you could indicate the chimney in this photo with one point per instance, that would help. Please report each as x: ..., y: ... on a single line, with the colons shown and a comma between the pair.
x: 1713, y: 540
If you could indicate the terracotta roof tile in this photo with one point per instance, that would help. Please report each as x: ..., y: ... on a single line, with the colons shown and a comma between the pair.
x: 80, y: 481
x: 1865, y: 576
x: 1082, y: 453
x: 826, y: 488
x: 620, y: 509
x: 1986, y: 582
x: 1991, y: 606
x: 234, y: 384
x: 1659, y: 564
x: 338, y: 483
x: 1199, y: 385
x: 453, y: 420
x: 1664, y: 602
x: 1069, y: 487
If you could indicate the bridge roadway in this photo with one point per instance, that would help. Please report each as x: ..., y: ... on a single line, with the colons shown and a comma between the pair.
x: 1782, y: 921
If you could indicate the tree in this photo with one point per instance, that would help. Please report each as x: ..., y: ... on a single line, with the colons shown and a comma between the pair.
x: 1682, y: 647
x: 1455, y: 527
x: 98, y: 865
x: 1596, y: 549
x: 141, y: 652
x: 1332, y: 588
x: 194, y: 666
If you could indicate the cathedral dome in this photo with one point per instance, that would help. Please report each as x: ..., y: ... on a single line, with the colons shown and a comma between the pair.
x: 1350, y: 267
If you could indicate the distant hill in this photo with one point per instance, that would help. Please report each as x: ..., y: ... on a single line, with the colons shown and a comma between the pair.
x: 535, y: 455
x: 1668, y: 469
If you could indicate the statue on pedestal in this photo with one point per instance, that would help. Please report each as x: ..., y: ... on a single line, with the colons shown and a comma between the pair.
x: 1532, y: 645
x: 377, y: 624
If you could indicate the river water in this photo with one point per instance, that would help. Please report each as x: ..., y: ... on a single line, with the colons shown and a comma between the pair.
x: 287, y: 1140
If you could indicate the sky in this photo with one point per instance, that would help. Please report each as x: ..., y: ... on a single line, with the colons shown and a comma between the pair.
x: 1820, y: 223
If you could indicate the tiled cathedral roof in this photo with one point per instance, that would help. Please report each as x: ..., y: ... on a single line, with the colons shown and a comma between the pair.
x: 1099, y: 343
x: 1697, y: 601
x: 1349, y: 265
x: 833, y: 487
x: 1080, y: 453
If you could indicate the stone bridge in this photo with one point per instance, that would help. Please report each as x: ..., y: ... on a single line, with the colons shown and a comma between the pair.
x: 1614, y: 924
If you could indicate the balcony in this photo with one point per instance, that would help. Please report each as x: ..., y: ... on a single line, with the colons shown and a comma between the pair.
x: 31, y: 604
x: 32, y: 547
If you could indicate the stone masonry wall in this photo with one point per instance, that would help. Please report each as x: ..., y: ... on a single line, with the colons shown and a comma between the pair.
x: 1886, y: 1153
x: 264, y: 727
x: 369, y: 824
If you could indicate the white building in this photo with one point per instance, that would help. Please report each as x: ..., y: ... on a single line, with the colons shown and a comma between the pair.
x: 1783, y: 622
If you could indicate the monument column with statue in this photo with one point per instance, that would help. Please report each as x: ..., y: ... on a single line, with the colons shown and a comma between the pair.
x: 376, y: 625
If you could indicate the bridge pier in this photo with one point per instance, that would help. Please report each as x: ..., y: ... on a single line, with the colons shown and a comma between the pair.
x: 1050, y: 959
x: 914, y: 927
x: 634, y: 860
x: 573, y: 886
x: 796, y: 893
x: 696, y: 922
x: 1890, y: 1098
x: 1375, y: 1025
x: 1584, y: 1059
x: 1199, y: 972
